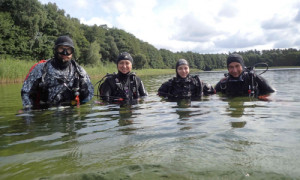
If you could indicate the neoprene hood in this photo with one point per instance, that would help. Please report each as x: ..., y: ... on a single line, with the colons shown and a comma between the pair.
x: 235, y: 58
x: 125, y: 56
x: 181, y: 62
x: 64, y: 41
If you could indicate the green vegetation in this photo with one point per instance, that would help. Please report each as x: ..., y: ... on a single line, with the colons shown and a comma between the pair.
x: 97, y: 72
x: 274, y: 57
x: 28, y: 30
x: 14, y: 71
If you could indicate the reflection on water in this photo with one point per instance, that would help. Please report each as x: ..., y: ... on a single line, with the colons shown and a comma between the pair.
x: 212, y: 138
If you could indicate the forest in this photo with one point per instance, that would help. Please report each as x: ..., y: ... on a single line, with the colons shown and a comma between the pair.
x: 28, y: 30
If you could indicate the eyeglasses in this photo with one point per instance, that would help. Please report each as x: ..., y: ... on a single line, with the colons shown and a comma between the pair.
x: 65, y: 50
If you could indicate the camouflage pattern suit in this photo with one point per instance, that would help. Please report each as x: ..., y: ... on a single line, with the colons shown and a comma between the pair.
x: 50, y: 85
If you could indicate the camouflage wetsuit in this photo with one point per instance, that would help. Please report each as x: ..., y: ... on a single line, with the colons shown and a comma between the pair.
x: 49, y: 84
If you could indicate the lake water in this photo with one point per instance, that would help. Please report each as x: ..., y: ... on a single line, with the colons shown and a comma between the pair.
x: 214, y: 138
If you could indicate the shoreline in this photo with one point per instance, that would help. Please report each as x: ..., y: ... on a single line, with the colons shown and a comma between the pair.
x: 93, y: 75
x: 143, y: 72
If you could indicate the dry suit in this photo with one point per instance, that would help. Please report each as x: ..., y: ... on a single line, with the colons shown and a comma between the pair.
x: 50, y: 83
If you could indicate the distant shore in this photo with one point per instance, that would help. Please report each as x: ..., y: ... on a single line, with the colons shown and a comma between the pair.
x: 14, y: 71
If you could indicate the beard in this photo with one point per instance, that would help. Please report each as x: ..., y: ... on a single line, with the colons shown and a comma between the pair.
x: 61, y: 63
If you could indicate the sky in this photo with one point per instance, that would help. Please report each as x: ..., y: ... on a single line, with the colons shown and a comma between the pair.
x: 202, y: 26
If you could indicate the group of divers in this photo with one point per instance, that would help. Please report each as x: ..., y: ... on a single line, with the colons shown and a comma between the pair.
x: 60, y: 81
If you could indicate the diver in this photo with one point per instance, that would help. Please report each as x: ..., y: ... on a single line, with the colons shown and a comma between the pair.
x: 242, y: 81
x: 57, y: 81
x: 184, y: 85
x: 123, y: 86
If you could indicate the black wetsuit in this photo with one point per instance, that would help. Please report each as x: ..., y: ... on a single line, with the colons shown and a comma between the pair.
x: 189, y: 87
x: 124, y: 86
x: 246, y: 84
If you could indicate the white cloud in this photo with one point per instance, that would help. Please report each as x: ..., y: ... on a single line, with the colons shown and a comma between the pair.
x: 283, y: 44
x: 81, y: 3
x: 229, y: 11
x: 240, y: 40
x: 297, y: 18
x: 195, y: 30
x: 297, y: 42
x: 277, y: 23
x: 199, y: 26
x: 95, y: 20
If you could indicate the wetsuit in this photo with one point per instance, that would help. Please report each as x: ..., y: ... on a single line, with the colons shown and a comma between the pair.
x: 244, y: 85
x: 189, y: 87
x: 50, y: 83
x: 124, y: 86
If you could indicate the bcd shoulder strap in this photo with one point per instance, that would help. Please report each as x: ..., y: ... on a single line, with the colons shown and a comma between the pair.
x: 41, y: 61
x: 101, y: 81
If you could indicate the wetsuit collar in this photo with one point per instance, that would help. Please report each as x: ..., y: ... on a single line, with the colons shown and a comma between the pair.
x: 122, y: 76
x: 179, y: 78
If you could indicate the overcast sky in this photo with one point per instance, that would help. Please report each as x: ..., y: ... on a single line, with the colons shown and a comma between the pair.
x: 203, y: 26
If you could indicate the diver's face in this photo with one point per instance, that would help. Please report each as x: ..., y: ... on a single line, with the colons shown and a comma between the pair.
x: 183, y: 70
x: 124, y: 66
x: 235, y: 69
x: 65, y: 53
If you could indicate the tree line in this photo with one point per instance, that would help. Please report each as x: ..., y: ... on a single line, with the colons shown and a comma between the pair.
x: 28, y: 30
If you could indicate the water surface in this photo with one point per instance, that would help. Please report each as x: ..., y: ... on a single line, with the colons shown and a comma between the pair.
x: 213, y: 138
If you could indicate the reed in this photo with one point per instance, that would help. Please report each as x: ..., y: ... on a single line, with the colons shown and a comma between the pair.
x: 97, y: 72
x: 147, y: 72
x: 100, y: 70
x: 12, y: 71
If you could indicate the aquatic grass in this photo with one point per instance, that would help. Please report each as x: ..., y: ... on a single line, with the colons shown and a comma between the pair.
x: 147, y: 72
x: 100, y: 70
x: 15, y: 70
x: 12, y: 71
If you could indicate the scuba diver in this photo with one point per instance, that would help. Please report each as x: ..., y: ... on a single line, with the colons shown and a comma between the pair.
x: 123, y: 86
x: 184, y: 85
x: 57, y: 81
x: 241, y: 81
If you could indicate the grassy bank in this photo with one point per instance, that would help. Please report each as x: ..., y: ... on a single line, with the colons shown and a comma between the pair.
x: 14, y: 71
x: 99, y: 71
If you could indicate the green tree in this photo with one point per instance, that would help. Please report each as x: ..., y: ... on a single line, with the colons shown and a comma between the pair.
x: 7, y: 33
x: 110, y: 51
x: 168, y: 58
x: 27, y: 14
x: 41, y: 47
x: 93, y: 56
x: 139, y: 61
x: 199, y: 61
